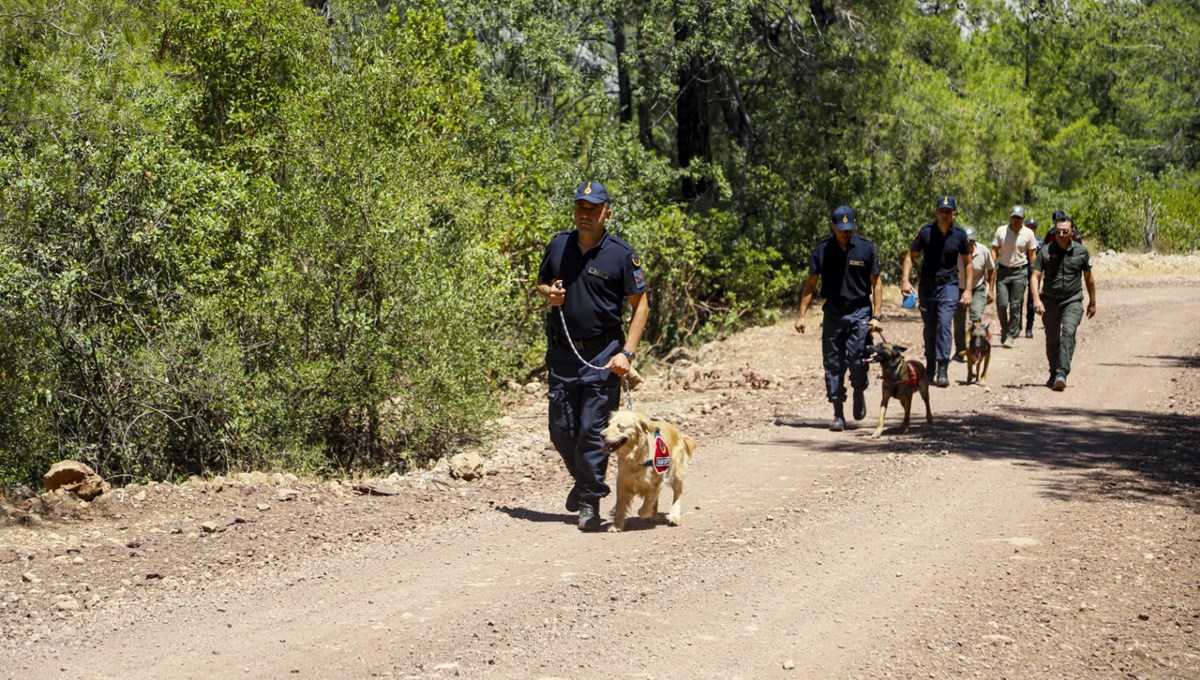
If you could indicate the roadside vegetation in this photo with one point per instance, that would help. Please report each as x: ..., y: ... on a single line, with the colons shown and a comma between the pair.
x: 274, y: 234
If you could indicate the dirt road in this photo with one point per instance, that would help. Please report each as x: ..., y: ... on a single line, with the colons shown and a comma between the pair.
x: 1026, y: 534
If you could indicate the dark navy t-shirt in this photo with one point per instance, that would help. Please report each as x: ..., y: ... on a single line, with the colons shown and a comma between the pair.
x: 845, y: 275
x: 940, y: 253
x: 597, y: 282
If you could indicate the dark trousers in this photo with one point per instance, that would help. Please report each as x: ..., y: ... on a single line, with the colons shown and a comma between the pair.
x: 938, y: 300
x: 1060, y: 320
x: 843, y: 336
x: 1011, y: 284
x: 1029, y: 300
x: 580, y: 403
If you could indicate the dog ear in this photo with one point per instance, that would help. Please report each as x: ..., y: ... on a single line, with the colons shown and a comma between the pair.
x: 899, y: 348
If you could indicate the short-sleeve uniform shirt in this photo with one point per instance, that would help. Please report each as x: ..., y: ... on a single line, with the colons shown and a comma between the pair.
x: 845, y: 274
x: 940, y: 253
x: 1062, y: 270
x: 981, y: 263
x: 597, y: 282
x: 1014, y: 246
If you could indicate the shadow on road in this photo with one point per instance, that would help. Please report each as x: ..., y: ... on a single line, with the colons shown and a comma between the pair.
x: 536, y: 515
x: 1130, y: 455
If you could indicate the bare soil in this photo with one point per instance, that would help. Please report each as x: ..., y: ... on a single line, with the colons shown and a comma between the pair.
x: 1025, y: 534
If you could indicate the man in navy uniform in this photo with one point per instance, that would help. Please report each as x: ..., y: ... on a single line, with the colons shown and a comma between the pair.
x: 940, y: 244
x: 586, y: 275
x: 848, y: 267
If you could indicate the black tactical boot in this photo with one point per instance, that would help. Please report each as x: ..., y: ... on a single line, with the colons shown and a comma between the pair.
x: 942, y: 379
x: 589, y: 516
x: 839, y: 418
x: 572, y: 503
x: 860, y: 405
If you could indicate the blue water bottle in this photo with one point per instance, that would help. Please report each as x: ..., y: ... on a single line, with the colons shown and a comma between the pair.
x: 909, y: 301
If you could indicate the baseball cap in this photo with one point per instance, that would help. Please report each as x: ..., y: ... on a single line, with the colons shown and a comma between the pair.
x: 592, y: 192
x: 1059, y: 216
x: 946, y: 202
x: 970, y: 233
x: 1017, y: 211
x: 844, y: 219
x: 1031, y: 223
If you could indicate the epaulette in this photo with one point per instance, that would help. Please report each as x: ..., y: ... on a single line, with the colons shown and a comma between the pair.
x: 620, y: 241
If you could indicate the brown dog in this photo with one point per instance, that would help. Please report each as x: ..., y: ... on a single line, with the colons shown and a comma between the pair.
x: 647, y: 451
x: 900, y: 378
x: 979, y: 353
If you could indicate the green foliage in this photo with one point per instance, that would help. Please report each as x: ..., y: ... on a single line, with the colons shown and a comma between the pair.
x: 243, y: 233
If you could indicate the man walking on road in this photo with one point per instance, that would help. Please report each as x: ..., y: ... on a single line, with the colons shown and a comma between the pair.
x: 984, y: 273
x: 1029, y: 315
x: 1014, y: 247
x: 586, y: 275
x: 848, y: 267
x: 940, y: 244
x: 1058, y: 297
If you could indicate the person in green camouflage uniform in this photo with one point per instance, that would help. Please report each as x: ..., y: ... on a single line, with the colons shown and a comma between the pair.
x: 1060, y: 272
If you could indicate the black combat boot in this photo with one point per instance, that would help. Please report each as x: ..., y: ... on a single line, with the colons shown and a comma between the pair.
x: 860, y: 405
x: 942, y: 379
x: 839, y: 418
x: 589, y: 516
x: 572, y: 503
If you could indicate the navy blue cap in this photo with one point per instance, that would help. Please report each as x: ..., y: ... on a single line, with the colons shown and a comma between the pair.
x: 947, y: 202
x: 1031, y: 223
x: 1059, y: 216
x: 844, y: 219
x: 592, y: 192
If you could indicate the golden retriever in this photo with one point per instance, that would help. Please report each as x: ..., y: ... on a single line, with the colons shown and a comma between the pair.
x: 630, y: 436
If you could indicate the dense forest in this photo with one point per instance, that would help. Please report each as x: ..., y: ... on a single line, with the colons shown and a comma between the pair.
x: 302, y: 235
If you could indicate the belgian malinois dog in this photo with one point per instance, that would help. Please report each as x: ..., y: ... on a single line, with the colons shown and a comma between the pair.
x: 901, y: 377
x: 979, y: 353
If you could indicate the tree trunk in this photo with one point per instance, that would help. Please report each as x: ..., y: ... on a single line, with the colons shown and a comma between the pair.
x: 691, y: 117
x: 624, y: 88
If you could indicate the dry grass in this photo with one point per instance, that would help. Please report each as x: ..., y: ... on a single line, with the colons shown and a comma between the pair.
x: 1141, y: 266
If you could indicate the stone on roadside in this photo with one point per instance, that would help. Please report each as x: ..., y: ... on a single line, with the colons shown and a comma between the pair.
x: 30, y: 577
x: 209, y: 527
x: 467, y: 466
x: 263, y: 507
x: 532, y: 387
x: 789, y: 665
x: 287, y: 494
x: 73, y: 476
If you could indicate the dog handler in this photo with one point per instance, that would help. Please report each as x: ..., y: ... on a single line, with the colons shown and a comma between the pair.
x: 982, y: 295
x: 1058, y: 297
x: 940, y: 244
x: 1014, y: 247
x: 586, y: 275
x: 848, y: 267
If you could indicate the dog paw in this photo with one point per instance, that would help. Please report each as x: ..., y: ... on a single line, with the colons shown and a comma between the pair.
x: 875, y: 435
x: 614, y: 529
x: 673, y: 520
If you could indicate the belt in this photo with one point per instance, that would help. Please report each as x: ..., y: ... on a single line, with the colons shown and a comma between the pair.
x: 1020, y: 266
x: 587, y: 344
x: 842, y: 303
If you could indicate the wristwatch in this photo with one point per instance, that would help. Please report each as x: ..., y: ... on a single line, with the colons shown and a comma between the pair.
x: 628, y: 354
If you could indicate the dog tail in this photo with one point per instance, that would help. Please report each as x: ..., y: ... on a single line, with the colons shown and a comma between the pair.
x: 689, y: 446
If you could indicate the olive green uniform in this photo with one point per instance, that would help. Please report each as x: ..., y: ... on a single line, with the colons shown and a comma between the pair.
x: 1062, y: 295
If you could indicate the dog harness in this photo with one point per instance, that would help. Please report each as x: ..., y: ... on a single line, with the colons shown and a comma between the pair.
x: 662, y: 454
x: 912, y: 381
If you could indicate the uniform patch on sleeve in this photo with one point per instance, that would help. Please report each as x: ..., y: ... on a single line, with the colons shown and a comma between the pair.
x: 639, y: 279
